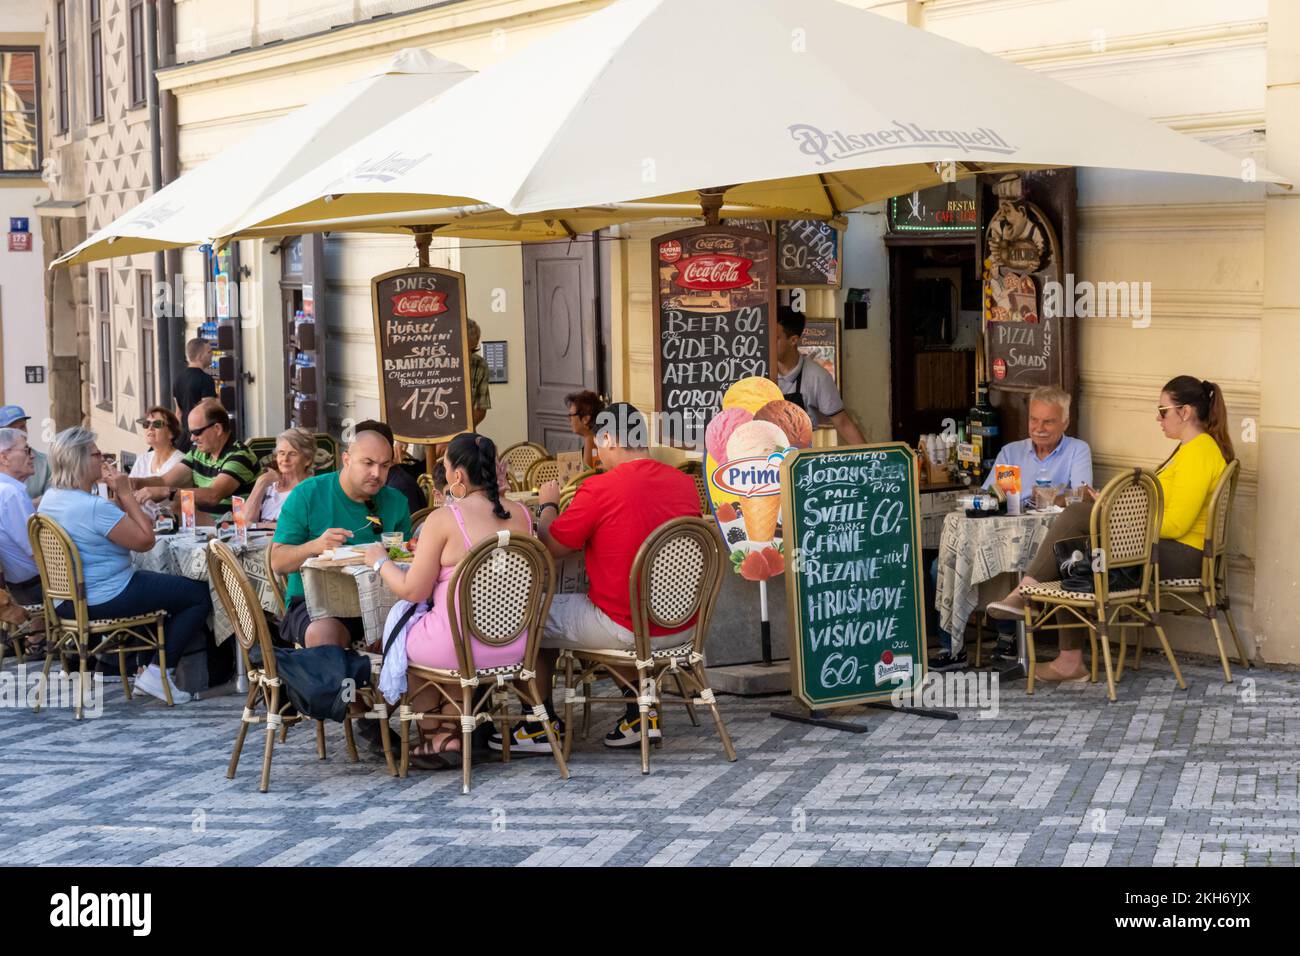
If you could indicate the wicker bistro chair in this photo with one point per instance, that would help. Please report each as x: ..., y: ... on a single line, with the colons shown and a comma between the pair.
x: 1207, y: 595
x: 540, y: 472
x: 264, y: 683
x: 1124, y: 530
x: 518, y: 458
x: 59, y: 564
x: 22, y: 635
x: 676, y: 576
x: 501, y: 588
x: 418, y: 518
x: 696, y: 470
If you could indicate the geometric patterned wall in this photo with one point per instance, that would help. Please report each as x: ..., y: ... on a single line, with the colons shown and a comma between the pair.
x: 113, y: 175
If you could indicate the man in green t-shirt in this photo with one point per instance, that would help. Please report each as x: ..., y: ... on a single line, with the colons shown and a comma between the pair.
x: 350, y: 507
x: 216, y: 467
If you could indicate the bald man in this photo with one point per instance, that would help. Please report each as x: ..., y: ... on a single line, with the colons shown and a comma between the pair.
x: 350, y: 507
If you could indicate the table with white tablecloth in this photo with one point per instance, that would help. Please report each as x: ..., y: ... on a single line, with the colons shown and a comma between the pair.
x: 975, y: 550
x: 186, y: 555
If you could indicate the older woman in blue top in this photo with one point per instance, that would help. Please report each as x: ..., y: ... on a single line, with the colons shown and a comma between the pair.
x: 105, y: 533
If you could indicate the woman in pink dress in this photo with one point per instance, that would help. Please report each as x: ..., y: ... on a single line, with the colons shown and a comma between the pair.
x: 473, y: 512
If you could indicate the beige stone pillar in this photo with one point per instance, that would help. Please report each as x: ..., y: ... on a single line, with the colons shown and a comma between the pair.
x: 1277, y: 524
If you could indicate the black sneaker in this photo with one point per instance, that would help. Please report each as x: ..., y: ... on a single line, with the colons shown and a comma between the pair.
x: 527, y: 737
x: 627, y: 733
x: 1008, y: 649
x: 946, y: 662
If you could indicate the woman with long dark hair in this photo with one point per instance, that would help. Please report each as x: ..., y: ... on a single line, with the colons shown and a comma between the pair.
x: 1191, y: 412
x: 474, y: 511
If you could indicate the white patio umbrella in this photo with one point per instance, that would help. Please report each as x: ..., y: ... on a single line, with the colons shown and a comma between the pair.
x: 809, y: 106
x: 207, y: 201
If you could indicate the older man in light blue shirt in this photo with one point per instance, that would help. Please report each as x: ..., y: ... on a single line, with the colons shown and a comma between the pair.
x: 16, y: 461
x: 1067, y: 461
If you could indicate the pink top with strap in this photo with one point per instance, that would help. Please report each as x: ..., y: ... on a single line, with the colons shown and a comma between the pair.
x: 429, y: 641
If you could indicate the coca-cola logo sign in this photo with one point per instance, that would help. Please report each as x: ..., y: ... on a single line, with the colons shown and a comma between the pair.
x: 670, y: 251
x: 419, y: 304
x: 713, y: 272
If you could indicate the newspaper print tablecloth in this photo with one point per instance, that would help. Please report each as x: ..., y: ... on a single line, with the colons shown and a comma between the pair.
x: 974, y: 550
x: 187, y: 556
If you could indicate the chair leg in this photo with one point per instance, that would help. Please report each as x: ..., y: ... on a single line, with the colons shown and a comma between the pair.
x: 243, y: 732
x: 586, y: 709
x: 557, y: 747
x: 466, y: 739
x: 320, y: 740
x: 697, y: 670
x: 1169, y: 654
x: 568, y: 705
x: 1030, y: 649
x: 1123, y: 653
x: 45, y: 680
x: 121, y: 670
x: 690, y: 708
x: 1218, y: 639
x: 644, y: 708
x: 387, y: 744
x: 979, y: 638
x: 353, y: 756
x: 1236, y: 639
x: 266, y: 758
x: 162, y: 666
x: 404, y: 722
x: 81, y: 684
x: 1103, y: 636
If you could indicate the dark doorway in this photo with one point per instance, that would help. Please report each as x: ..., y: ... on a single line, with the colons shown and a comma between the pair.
x: 565, y: 333
x: 935, y: 322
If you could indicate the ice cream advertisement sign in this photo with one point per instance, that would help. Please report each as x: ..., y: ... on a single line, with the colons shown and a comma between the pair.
x: 746, y: 442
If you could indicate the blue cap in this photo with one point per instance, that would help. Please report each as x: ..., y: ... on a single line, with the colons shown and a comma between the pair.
x: 11, y: 415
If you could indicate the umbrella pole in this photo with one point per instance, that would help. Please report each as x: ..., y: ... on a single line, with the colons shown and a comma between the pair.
x: 423, y: 239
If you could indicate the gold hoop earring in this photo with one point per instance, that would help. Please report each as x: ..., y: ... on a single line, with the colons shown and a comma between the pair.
x: 463, y: 492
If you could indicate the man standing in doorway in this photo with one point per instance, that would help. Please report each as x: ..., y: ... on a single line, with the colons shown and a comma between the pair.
x: 807, y: 384
x: 480, y: 395
x: 193, y: 384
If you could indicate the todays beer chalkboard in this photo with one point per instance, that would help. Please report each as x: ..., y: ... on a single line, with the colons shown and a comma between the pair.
x: 807, y: 253
x: 853, y: 585
x: 422, y: 346
x: 715, y: 308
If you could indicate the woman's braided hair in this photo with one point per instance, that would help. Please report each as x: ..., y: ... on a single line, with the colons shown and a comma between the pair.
x: 477, y: 454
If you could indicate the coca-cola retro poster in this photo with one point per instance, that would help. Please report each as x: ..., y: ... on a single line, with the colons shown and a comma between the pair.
x: 715, y: 306
x: 423, y: 353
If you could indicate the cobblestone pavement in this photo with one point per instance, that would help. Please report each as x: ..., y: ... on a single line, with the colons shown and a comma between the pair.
x: 1203, y: 777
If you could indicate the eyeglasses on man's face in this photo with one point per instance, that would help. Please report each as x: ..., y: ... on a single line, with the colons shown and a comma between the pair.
x: 195, y: 433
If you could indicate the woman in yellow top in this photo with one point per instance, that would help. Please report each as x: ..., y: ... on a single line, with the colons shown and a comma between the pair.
x: 1191, y: 412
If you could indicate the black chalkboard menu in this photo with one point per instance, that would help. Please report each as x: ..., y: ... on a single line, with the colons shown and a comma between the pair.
x: 853, y: 583
x: 715, y: 310
x: 807, y: 253
x: 422, y: 346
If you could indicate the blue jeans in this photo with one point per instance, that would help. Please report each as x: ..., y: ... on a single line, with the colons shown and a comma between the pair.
x: 187, y: 603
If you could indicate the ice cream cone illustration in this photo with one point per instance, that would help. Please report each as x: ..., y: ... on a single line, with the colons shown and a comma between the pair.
x: 760, y: 514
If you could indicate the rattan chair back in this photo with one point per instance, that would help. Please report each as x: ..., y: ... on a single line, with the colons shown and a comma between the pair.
x: 500, y: 589
x: 1216, y: 529
x: 236, y: 595
x: 59, y: 563
x: 540, y: 472
x: 676, y: 576
x: 518, y: 458
x: 1125, y: 526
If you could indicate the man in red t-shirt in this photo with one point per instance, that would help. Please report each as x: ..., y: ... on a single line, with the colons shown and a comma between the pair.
x: 609, y: 519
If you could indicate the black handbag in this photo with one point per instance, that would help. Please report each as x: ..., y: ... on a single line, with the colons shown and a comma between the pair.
x: 316, y: 678
x: 1074, y: 561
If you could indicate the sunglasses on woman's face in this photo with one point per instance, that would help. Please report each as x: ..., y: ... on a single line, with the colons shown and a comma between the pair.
x: 1163, y: 410
x: 155, y: 423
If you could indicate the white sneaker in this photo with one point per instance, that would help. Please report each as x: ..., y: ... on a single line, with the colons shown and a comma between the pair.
x: 149, y: 680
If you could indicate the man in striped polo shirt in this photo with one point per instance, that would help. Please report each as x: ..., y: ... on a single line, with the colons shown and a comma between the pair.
x: 216, y: 467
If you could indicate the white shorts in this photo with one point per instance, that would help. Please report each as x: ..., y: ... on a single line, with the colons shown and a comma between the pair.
x: 577, y: 623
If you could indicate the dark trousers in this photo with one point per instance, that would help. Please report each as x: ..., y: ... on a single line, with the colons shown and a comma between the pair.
x: 187, y: 603
x: 1177, y: 560
x: 27, y: 592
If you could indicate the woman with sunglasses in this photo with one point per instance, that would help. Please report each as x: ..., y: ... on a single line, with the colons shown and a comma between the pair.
x: 162, y: 429
x: 1192, y: 413
x: 584, y: 408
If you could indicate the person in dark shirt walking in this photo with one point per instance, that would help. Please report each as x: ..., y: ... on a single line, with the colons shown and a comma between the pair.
x: 193, y: 384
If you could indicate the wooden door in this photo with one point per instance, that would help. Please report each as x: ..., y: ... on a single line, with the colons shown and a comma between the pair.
x: 565, y: 350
